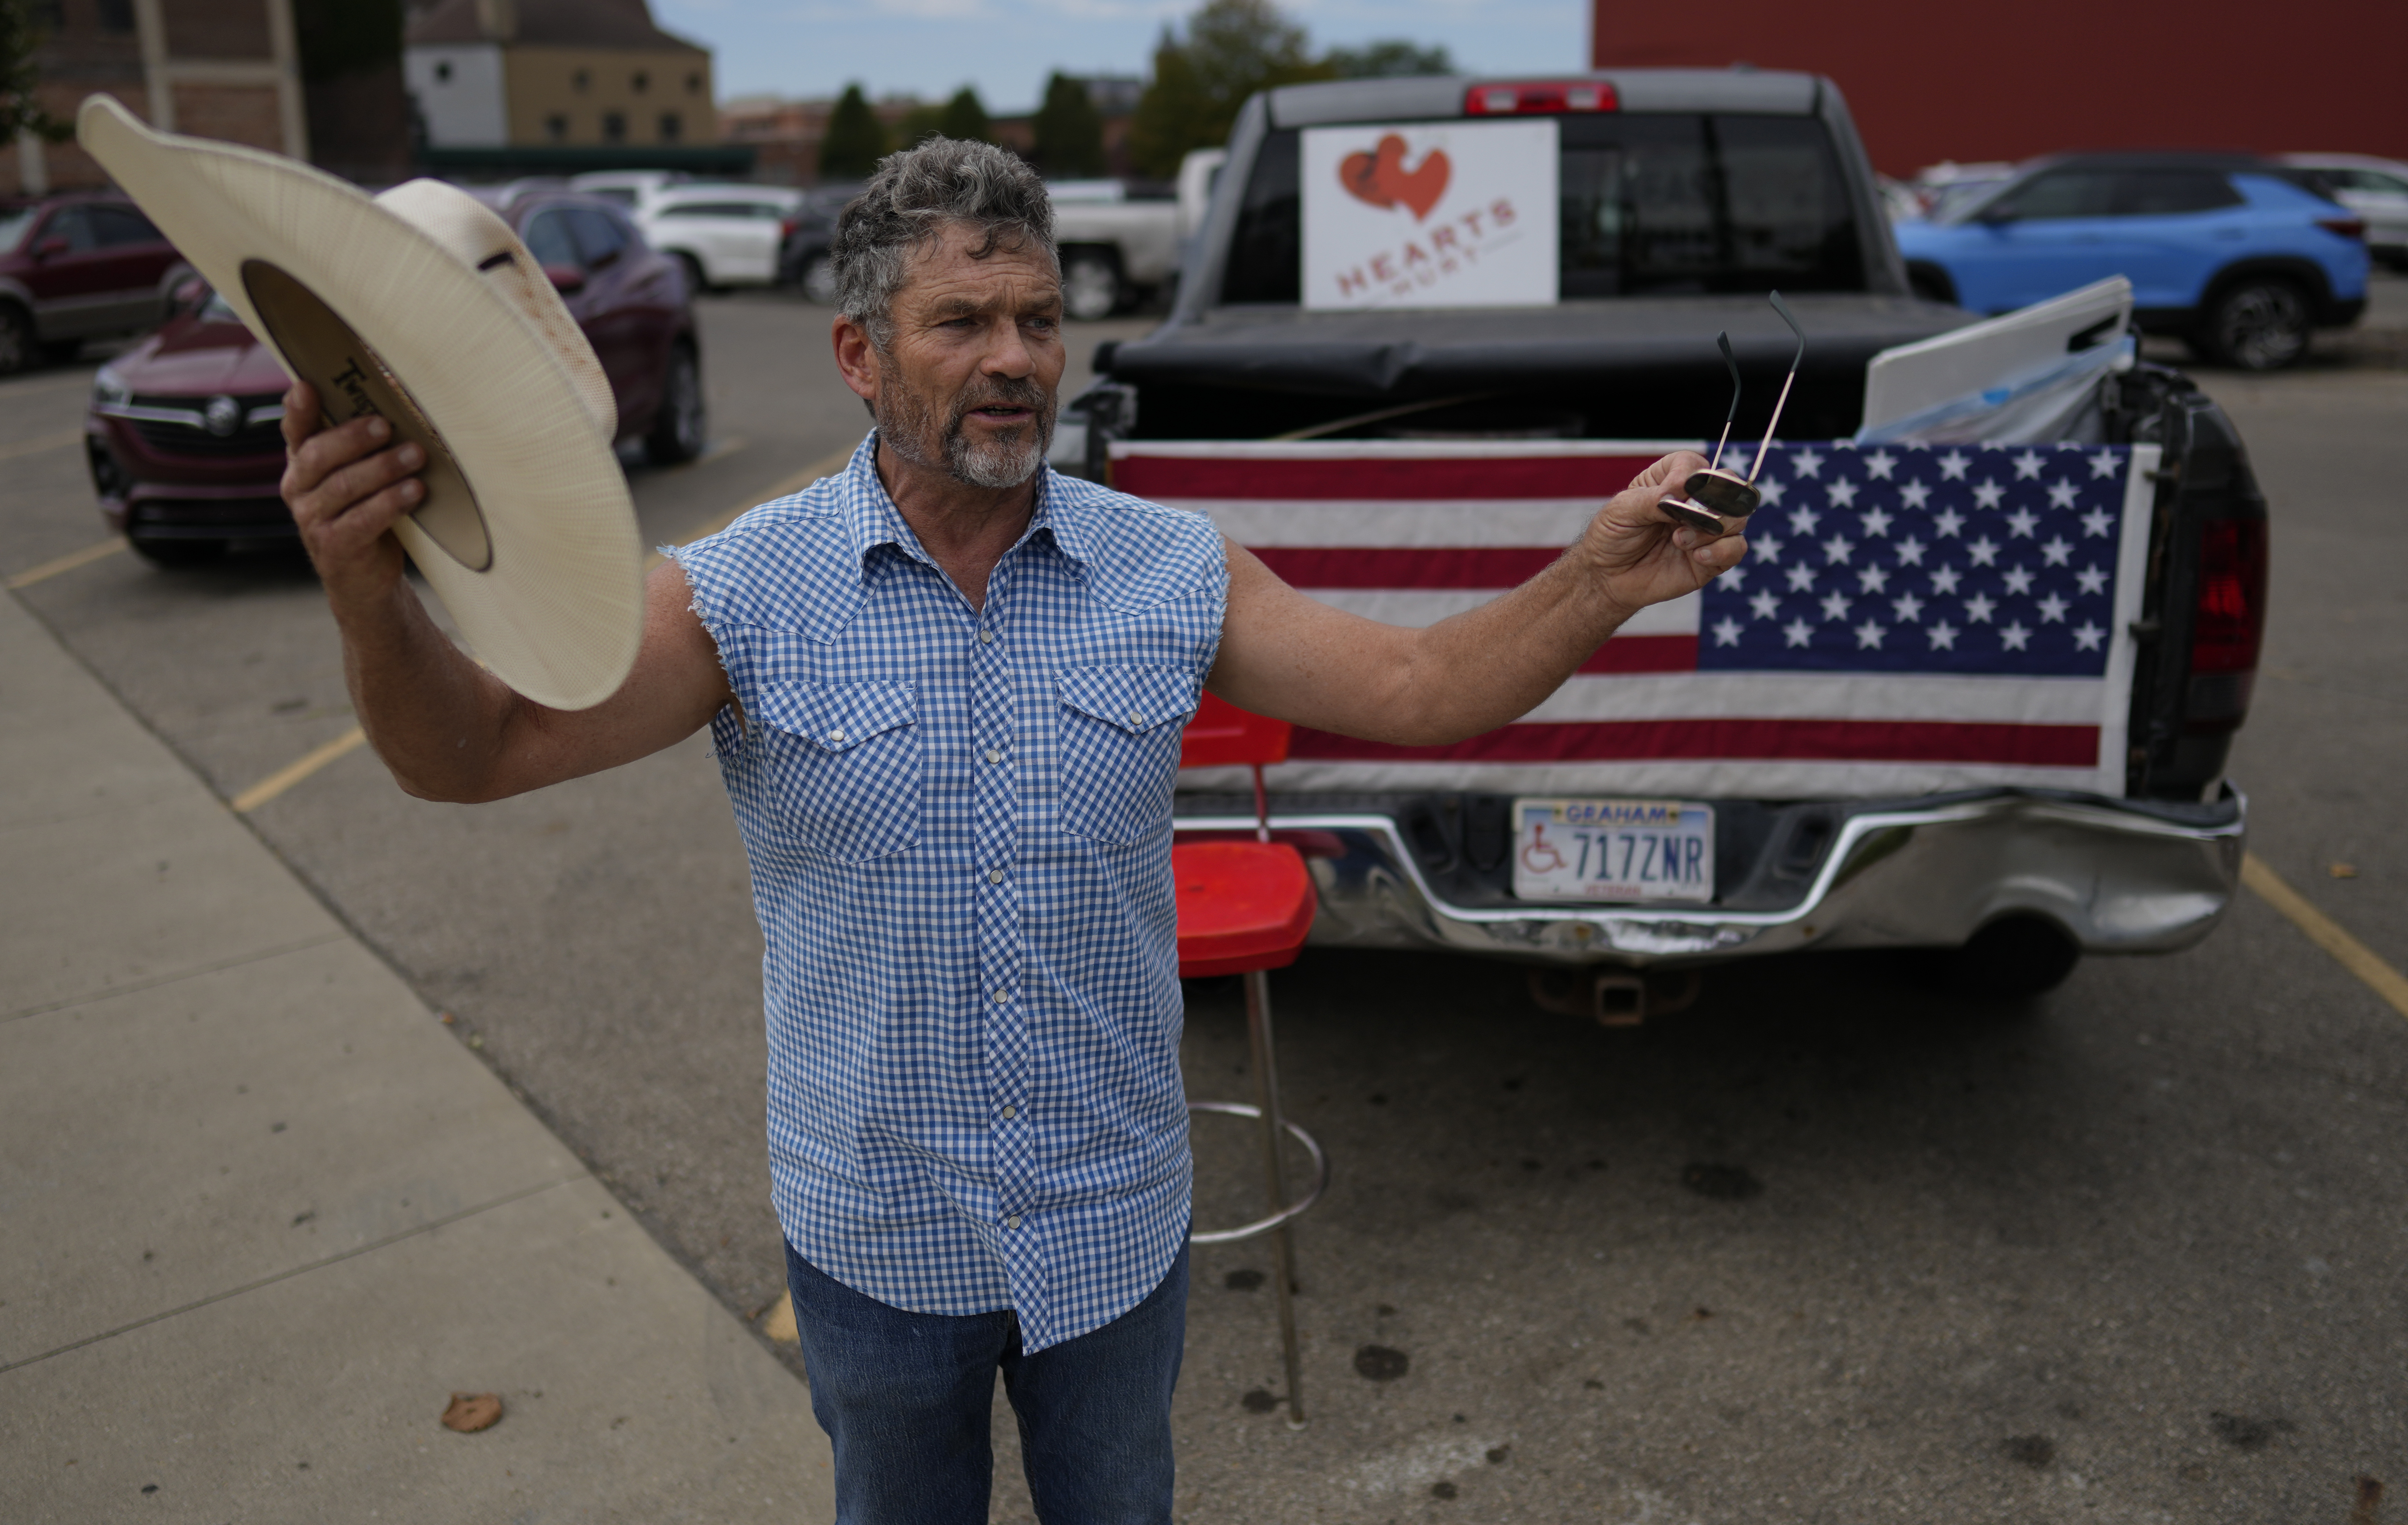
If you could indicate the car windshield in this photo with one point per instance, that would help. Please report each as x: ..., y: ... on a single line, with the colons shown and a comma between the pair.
x: 15, y: 225
x: 1650, y: 203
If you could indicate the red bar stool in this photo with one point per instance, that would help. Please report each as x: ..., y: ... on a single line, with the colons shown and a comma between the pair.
x: 1245, y: 908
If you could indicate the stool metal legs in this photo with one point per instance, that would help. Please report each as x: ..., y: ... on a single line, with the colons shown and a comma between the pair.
x: 1259, y: 1037
x: 1282, y: 1212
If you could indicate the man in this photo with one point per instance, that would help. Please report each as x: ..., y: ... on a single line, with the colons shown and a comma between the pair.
x: 946, y: 688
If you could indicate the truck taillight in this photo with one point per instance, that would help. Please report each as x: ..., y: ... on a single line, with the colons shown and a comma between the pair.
x: 1546, y: 97
x: 2348, y: 227
x: 2228, y: 624
x: 786, y: 227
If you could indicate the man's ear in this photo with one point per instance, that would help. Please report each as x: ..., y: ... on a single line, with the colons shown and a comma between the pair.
x: 856, y: 358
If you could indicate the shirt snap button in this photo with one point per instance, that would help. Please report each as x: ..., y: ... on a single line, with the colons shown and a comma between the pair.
x: 987, y: 637
x: 1012, y: 1222
x: 1136, y: 719
x: 835, y: 736
x: 995, y: 876
x: 1010, y: 1112
x: 994, y: 754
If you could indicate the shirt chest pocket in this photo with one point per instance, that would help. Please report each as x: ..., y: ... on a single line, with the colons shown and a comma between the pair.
x: 844, y: 762
x: 1120, y: 748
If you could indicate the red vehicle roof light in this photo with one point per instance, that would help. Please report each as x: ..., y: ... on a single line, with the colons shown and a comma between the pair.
x: 1539, y: 98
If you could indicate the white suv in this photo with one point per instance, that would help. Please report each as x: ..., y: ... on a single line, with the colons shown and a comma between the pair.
x: 724, y: 234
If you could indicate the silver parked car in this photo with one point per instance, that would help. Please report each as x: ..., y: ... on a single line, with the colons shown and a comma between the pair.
x: 2375, y: 189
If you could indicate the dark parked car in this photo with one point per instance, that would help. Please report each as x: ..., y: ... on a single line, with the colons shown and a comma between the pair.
x: 803, y: 258
x: 2242, y: 258
x: 183, y: 433
x: 73, y: 268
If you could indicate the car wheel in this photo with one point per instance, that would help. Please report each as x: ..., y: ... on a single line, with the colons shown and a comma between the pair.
x: 695, y: 283
x: 1091, y: 287
x: 176, y: 553
x: 818, y: 280
x: 681, y: 427
x: 17, y: 347
x: 2260, y: 323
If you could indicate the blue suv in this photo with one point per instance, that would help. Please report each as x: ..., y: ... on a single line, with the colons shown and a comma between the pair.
x: 2239, y: 257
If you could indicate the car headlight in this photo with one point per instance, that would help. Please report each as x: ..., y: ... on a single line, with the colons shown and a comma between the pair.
x: 108, y: 389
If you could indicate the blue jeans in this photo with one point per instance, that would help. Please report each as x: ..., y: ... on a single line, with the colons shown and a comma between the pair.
x: 906, y: 1399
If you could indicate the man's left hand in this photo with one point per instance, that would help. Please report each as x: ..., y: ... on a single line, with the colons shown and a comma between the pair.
x: 1638, y: 556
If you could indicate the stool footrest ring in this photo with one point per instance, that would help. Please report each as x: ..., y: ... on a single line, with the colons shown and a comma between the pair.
x: 1293, y: 1210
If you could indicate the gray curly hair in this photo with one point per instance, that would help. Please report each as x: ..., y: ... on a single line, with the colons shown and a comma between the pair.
x: 910, y: 202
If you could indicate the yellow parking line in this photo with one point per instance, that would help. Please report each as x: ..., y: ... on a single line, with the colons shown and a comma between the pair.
x: 341, y: 746
x: 294, y: 771
x: 2325, y: 933
x: 36, y: 447
x: 67, y: 563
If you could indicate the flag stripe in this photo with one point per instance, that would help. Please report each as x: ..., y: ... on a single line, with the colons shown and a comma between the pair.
x: 1418, y: 607
x: 1437, y: 521
x: 1495, y: 566
x: 1892, y: 740
x: 1381, y: 477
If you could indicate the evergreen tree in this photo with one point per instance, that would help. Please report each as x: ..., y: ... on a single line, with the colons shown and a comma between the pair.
x: 21, y: 108
x: 854, y: 142
x: 1390, y: 58
x: 1070, y: 132
x: 924, y: 121
x: 964, y: 118
x: 1232, y: 48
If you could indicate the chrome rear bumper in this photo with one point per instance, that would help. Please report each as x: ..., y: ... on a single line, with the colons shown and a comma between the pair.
x: 2119, y: 876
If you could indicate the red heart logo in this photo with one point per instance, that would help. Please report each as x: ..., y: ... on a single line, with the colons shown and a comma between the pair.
x: 1380, y: 178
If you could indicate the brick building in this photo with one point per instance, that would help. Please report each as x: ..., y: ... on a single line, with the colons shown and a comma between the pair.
x: 214, y: 68
x: 573, y: 75
x: 1927, y: 83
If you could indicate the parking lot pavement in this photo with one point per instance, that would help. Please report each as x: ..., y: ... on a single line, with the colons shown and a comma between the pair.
x: 1828, y: 1246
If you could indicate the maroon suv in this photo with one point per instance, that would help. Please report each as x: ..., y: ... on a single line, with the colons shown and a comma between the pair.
x: 184, y: 430
x: 73, y: 268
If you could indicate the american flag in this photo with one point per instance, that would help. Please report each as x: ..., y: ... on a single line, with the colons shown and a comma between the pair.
x: 1909, y: 618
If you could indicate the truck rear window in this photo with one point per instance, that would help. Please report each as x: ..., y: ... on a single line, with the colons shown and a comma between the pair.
x: 1651, y: 204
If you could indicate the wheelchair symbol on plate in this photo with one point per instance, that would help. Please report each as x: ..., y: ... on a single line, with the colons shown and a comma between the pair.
x: 1539, y: 844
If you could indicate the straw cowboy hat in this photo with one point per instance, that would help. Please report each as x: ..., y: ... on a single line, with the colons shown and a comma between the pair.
x: 422, y: 305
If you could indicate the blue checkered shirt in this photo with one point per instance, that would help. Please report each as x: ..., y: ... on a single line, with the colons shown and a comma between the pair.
x: 959, y: 828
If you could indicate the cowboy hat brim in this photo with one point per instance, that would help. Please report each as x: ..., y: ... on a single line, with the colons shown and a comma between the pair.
x: 527, y: 534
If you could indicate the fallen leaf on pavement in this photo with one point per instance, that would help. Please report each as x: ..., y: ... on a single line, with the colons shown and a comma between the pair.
x: 472, y: 1411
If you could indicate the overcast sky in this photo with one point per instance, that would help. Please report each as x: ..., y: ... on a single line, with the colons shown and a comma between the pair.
x: 1005, y: 47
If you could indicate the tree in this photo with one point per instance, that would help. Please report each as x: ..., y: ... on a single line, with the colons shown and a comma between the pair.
x: 1390, y: 58
x: 1232, y: 48
x: 1069, y: 132
x: 854, y: 142
x: 964, y: 118
x: 924, y: 121
x: 21, y: 105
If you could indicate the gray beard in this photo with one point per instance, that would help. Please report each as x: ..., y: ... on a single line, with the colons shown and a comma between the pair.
x: 911, y: 429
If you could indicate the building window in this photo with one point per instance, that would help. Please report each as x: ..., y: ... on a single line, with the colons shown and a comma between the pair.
x: 694, y: 85
x: 641, y: 81
x: 672, y: 127
x: 614, y: 127
x: 555, y: 127
x: 115, y: 15
x: 443, y: 73
x: 579, y: 79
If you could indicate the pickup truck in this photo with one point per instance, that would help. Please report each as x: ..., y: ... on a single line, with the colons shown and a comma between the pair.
x: 1285, y: 392
x: 1121, y: 241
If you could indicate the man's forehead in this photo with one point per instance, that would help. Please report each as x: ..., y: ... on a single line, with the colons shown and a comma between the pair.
x: 947, y: 271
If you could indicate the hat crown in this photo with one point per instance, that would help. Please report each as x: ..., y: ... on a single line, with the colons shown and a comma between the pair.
x: 474, y: 234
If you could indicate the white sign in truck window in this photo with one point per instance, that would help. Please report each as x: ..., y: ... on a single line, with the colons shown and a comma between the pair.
x: 1454, y: 214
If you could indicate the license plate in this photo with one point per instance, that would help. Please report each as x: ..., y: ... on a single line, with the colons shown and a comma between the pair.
x: 1613, y: 850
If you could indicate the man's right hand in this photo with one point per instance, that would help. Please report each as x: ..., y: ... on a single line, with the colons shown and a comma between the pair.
x: 345, y: 485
